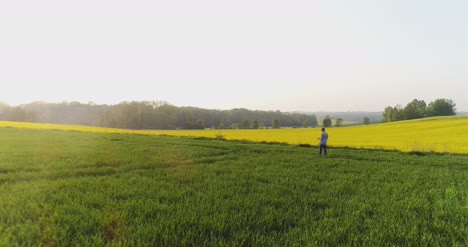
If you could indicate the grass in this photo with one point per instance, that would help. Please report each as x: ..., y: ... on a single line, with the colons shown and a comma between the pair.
x: 437, y: 135
x: 62, y: 188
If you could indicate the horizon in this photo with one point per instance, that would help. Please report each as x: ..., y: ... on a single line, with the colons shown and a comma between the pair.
x: 332, y: 56
x: 219, y: 109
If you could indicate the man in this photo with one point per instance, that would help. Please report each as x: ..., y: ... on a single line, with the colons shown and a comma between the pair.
x: 323, y: 142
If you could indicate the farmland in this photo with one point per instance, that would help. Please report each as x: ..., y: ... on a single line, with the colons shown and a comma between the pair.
x: 437, y: 134
x: 71, y: 188
x: 441, y: 134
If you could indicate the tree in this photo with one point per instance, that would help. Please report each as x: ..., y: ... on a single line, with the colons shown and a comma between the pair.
x: 415, y: 109
x: 366, y: 120
x: 313, y: 121
x: 275, y: 124
x: 442, y: 107
x: 18, y: 114
x: 392, y: 114
x: 339, y: 122
x: 305, y: 124
x: 418, y: 109
x: 255, y: 124
x: 387, y: 114
x: 199, y: 124
x: 327, y: 122
x: 245, y: 124
x: 398, y: 113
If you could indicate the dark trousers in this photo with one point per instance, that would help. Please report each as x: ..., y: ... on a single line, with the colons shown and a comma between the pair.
x: 324, y: 147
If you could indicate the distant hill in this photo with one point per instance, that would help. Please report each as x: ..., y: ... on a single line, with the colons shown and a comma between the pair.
x: 150, y: 115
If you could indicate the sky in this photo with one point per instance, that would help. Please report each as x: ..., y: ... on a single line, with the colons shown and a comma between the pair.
x: 323, y: 55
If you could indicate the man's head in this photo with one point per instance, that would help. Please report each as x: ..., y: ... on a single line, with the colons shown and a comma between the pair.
x: 323, y: 129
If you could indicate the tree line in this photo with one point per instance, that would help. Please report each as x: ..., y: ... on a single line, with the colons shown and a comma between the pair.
x: 151, y: 115
x: 419, y: 109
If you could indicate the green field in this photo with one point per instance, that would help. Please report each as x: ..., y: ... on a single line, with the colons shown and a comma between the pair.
x: 61, y: 188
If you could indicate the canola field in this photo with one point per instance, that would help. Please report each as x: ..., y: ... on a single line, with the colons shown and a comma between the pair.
x: 437, y: 134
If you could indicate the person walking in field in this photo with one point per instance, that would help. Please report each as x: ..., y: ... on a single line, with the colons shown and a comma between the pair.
x: 323, y: 142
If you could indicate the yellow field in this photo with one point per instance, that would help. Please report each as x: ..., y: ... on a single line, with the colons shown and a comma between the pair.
x: 441, y: 134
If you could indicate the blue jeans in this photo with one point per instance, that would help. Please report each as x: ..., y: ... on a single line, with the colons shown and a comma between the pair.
x: 324, y: 147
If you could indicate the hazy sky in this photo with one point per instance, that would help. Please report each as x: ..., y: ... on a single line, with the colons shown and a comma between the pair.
x: 259, y: 54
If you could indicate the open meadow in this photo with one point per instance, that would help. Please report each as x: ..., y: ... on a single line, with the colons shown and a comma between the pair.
x: 69, y: 188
